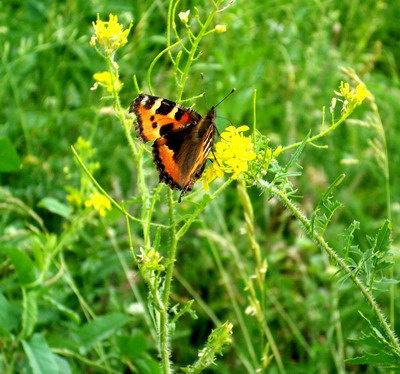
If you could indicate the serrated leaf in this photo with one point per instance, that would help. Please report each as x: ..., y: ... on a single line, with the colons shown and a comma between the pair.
x: 383, y: 238
x: 293, y: 159
x: 100, y: 329
x: 23, y: 265
x: 29, y: 312
x: 41, y: 359
x: 380, y: 358
x: 335, y: 183
x: 55, y: 206
x: 9, y: 159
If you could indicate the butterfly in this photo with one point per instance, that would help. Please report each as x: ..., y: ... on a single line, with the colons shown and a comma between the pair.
x: 182, y: 138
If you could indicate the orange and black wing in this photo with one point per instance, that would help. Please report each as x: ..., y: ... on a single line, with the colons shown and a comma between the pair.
x: 156, y: 117
x: 180, y: 156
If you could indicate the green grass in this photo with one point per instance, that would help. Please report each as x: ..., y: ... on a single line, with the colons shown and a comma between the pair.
x: 73, y: 298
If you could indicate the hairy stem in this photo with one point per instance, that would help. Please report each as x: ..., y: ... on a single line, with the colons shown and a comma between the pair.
x: 320, y: 241
x: 164, y: 323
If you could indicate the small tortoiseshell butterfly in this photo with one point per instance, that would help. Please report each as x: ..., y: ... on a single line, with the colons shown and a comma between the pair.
x: 183, y: 139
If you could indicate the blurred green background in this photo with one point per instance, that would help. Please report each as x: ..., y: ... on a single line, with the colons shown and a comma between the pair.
x: 290, y: 52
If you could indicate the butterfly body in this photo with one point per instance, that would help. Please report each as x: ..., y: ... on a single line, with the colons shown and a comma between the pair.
x: 182, y: 139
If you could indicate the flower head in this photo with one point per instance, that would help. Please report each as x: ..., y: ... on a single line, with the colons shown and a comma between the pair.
x: 107, y: 80
x: 99, y: 202
x: 352, y: 97
x: 184, y: 16
x: 232, y: 155
x: 151, y: 260
x: 219, y: 29
x: 109, y: 34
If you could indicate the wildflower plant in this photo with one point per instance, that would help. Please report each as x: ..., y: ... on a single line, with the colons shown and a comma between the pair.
x: 238, y: 156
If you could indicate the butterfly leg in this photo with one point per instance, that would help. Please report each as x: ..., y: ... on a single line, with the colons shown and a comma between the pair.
x: 183, y: 193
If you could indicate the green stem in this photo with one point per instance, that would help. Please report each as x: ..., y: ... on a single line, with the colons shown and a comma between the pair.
x: 382, y: 134
x: 149, y: 71
x: 320, y: 241
x: 320, y: 135
x: 193, y: 50
x: 164, y: 325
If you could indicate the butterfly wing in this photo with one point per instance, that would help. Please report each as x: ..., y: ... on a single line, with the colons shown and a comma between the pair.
x: 156, y: 117
x: 180, y: 156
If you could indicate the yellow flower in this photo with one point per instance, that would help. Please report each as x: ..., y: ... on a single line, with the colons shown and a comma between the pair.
x: 106, y: 80
x: 220, y: 29
x: 109, y: 34
x: 184, y: 16
x: 232, y: 155
x: 352, y: 97
x: 99, y: 202
x: 277, y: 151
x: 361, y: 94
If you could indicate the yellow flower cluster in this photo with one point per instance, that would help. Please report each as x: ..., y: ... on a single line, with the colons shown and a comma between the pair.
x: 232, y: 155
x: 354, y: 97
x: 151, y: 260
x: 106, y: 80
x: 99, y: 202
x: 264, y: 157
x: 109, y: 34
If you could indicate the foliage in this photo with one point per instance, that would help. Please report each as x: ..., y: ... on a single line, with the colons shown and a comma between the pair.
x: 292, y: 237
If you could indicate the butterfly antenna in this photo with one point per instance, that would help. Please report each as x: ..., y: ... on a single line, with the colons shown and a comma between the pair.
x: 229, y: 94
x: 205, y: 88
x: 215, y: 157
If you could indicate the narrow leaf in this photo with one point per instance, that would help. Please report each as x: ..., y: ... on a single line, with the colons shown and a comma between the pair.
x: 9, y: 160
x: 293, y: 160
x: 29, y: 312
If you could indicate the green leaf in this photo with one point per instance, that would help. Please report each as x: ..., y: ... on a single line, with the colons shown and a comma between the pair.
x: 101, y: 328
x: 24, y: 266
x: 132, y: 346
x: 55, y: 206
x: 293, y: 159
x: 9, y: 314
x: 147, y: 366
x: 29, y: 312
x: 381, y: 358
x: 383, y: 238
x: 63, y: 365
x: 41, y: 359
x: 9, y: 159
x: 62, y: 308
